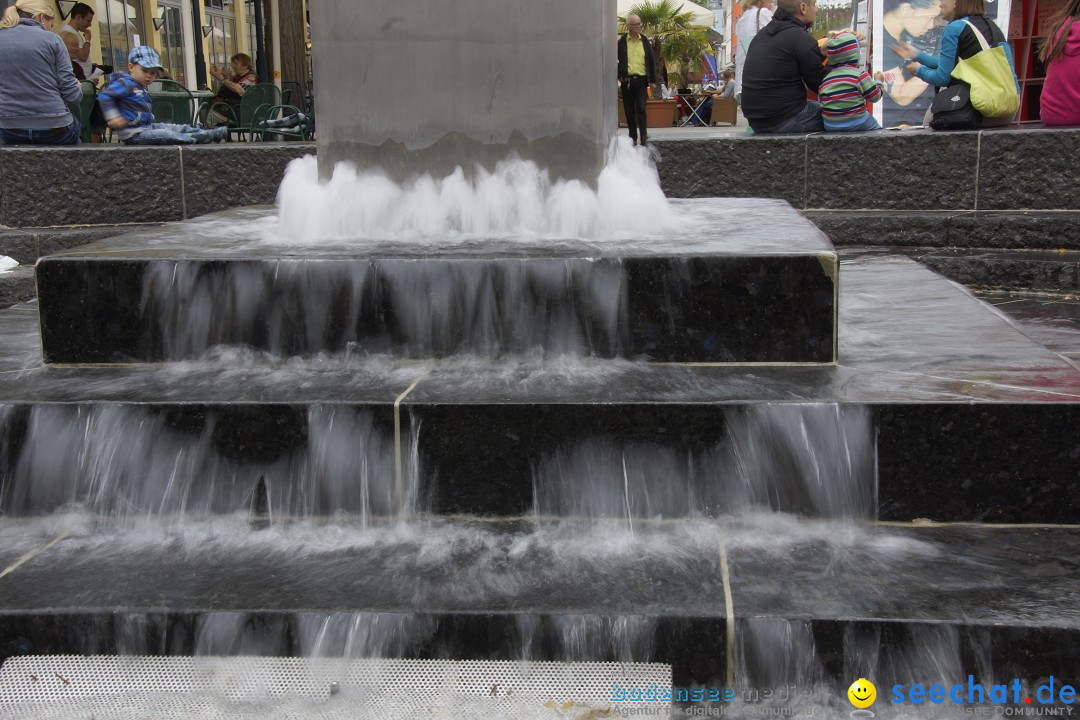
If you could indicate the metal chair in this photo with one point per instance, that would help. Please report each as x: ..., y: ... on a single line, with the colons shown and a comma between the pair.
x: 292, y: 93
x: 241, y: 118
x: 302, y: 129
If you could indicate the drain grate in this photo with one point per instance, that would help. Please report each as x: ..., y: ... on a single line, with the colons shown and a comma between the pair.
x: 189, y: 688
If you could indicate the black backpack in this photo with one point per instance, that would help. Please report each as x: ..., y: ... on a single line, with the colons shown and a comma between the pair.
x: 952, y: 109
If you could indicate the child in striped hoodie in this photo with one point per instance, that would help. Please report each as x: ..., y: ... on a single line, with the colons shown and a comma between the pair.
x: 846, y: 88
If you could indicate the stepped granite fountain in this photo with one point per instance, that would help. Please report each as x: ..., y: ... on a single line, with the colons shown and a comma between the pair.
x: 457, y: 434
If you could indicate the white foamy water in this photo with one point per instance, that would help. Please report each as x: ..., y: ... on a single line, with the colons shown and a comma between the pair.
x: 817, y: 460
x: 518, y: 199
x: 128, y: 461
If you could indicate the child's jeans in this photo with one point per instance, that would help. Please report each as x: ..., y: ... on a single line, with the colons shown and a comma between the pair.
x: 169, y: 134
x: 868, y: 123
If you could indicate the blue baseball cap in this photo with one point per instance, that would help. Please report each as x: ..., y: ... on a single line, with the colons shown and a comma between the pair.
x: 145, y: 56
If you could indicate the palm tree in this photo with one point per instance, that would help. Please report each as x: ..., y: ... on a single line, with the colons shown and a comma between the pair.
x: 676, y: 45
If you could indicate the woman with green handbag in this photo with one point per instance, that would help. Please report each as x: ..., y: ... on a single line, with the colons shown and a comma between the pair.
x: 990, y: 78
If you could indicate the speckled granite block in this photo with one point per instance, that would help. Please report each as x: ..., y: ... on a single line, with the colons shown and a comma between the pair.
x: 738, y: 167
x: 1029, y: 169
x: 17, y: 286
x: 1049, y: 230
x: 220, y: 177
x: 89, y: 185
x: 1019, y: 270
x: 899, y: 228
x: 890, y: 171
x: 20, y: 245
x: 979, y: 463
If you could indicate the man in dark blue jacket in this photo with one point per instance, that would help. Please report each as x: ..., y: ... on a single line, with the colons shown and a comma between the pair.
x: 782, y: 63
x: 636, y: 73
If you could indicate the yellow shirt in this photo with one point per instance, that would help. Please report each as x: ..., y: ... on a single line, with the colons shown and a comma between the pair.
x: 635, y: 56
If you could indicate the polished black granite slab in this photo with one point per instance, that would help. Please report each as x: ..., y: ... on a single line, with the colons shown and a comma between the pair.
x: 981, y: 575
x: 430, y: 589
x: 729, y: 282
x: 972, y: 418
x: 975, y: 596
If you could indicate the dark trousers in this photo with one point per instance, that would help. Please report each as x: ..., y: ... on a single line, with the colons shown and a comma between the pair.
x: 635, y: 92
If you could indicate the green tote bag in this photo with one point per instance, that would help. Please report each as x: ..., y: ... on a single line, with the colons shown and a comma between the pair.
x: 993, y: 85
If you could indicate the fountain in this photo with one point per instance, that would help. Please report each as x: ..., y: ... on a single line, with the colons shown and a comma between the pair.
x: 522, y: 440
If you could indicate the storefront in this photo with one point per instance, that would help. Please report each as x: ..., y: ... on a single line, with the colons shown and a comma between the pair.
x: 189, y: 35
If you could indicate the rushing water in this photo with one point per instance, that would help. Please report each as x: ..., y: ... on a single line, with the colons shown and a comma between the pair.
x: 816, y: 460
x: 129, y: 460
x: 518, y: 199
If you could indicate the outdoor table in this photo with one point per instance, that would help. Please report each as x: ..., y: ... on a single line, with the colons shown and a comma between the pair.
x: 174, y: 98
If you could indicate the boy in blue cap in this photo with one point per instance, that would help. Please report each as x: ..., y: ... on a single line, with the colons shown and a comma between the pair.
x: 126, y: 105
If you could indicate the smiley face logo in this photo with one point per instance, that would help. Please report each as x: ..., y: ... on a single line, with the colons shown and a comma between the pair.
x: 862, y: 693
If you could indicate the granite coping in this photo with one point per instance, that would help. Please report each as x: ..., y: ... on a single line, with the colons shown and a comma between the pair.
x: 714, y: 227
x: 1002, y: 170
x: 906, y: 335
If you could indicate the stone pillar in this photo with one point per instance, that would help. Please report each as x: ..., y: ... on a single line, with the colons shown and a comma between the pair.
x: 427, y: 85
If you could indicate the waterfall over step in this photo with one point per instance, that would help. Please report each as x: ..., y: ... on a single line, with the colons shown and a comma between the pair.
x: 476, y: 423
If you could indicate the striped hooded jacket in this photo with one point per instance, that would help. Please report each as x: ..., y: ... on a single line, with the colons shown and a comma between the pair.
x: 846, y: 88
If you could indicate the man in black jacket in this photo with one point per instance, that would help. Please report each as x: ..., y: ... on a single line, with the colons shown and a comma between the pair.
x: 782, y: 63
x: 636, y: 73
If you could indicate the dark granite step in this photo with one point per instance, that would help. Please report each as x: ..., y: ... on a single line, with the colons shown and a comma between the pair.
x: 16, y: 286
x: 1040, y: 270
x: 946, y: 411
x: 552, y: 591
x: 747, y: 282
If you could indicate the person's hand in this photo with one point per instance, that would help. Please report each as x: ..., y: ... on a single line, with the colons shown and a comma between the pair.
x: 87, y: 34
x: 913, y: 68
x: 905, y: 50
x: 879, y: 76
x: 118, y: 123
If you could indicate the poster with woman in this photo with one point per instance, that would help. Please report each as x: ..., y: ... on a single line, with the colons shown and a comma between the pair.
x: 918, y: 22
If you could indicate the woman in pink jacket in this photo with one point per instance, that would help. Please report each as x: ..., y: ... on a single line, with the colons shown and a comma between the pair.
x: 1060, y: 101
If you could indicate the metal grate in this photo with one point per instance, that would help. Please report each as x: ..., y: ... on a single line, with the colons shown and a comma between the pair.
x: 187, y: 688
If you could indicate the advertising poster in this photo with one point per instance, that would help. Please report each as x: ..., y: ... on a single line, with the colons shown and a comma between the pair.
x: 918, y: 22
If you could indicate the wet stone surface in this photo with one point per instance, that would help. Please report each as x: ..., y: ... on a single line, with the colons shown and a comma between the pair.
x: 753, y: 282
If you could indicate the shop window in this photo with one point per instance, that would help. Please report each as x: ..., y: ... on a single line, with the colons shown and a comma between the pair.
x: 120, y: 27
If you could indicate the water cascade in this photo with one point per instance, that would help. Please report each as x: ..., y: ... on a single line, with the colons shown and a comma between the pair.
x: 476, y: 423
